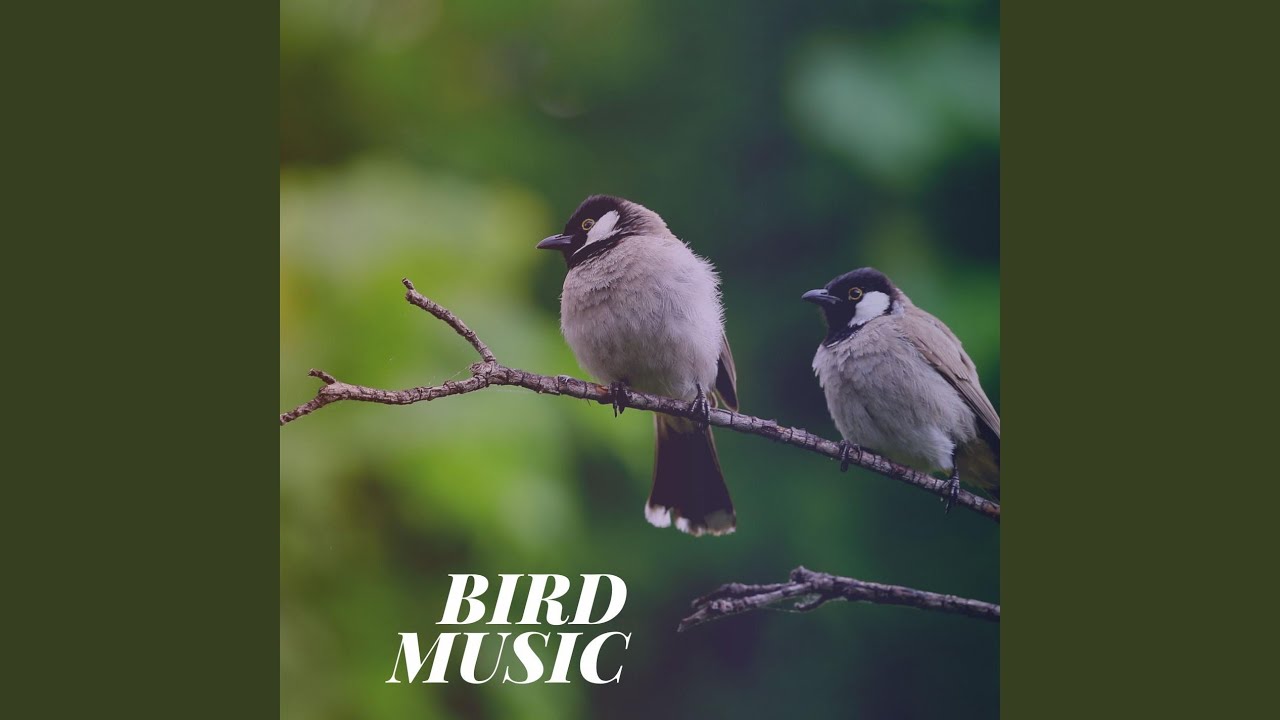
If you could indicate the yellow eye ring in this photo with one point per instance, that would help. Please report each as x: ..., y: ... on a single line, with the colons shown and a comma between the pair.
x: 855, y: 294
x: 588, y: 224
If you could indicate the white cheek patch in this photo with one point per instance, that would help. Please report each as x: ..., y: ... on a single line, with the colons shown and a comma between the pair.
x: 603, y: 227
x: 873, y: 305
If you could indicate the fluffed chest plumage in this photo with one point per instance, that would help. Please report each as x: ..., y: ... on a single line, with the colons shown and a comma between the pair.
x: 647, y: 313
x: 883, y: 395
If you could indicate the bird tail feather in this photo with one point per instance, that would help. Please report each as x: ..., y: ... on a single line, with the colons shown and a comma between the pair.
x: 688, y: 485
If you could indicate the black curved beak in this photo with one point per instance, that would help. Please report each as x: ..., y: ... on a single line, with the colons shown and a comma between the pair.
x: 820, y: 297
x: 556, y: 242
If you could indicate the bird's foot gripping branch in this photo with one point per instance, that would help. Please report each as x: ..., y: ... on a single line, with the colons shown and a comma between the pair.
x: 489, y: 373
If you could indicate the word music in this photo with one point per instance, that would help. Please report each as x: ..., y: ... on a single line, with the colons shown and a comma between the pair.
x: 544, y: 592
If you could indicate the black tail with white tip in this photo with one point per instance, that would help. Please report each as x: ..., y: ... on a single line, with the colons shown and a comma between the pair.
x: 688, y: 486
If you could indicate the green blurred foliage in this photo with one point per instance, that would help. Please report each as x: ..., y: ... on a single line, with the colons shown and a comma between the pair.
x: 788, y: 142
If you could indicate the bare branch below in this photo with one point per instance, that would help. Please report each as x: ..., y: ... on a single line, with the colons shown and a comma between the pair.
x: 814, y: 589
x: 490, y: 372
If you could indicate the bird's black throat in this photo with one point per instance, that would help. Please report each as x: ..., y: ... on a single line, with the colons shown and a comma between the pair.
x: 840, y: 333
x: 595, y: 249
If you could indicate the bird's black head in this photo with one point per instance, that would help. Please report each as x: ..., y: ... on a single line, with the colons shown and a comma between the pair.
x: 599, y: 223
x: 854, y: 299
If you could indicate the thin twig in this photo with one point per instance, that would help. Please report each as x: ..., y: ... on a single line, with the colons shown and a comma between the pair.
x: 490, y: 373
x: 450, y: 319
x: 814, y: 589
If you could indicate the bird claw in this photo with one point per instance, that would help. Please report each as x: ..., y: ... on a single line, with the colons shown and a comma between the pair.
x: 953, y: 490
x: 846, y: 448
x: 618, y: 393
x: 701, y: 407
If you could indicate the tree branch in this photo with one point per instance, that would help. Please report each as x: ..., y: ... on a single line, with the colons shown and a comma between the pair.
x: 489, y: 372
x: 814, y: 589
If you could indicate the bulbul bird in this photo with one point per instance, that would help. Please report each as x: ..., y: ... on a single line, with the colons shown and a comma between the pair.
x: 641, y: 311
x: 898, y: 382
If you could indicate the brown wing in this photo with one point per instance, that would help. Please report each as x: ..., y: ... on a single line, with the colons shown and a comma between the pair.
x: 727, y: 376
x: 942, y: 349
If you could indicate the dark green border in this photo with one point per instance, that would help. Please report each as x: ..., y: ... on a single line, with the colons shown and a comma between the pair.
x: 1132, y: 509
x: 141, y: 239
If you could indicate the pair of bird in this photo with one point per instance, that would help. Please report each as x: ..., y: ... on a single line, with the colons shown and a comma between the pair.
x: 639, y: 309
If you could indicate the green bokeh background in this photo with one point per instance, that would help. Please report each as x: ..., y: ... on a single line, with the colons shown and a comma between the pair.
x: 440, y: 140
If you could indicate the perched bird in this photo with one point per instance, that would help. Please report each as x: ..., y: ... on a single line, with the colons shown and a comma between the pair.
x: 640, y: 310
x: 897, y: 381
